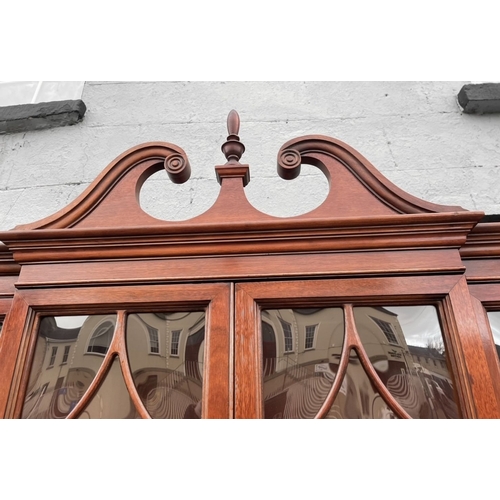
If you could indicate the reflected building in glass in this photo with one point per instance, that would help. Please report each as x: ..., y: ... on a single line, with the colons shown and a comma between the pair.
x: 302, y: 351
x: 165, y: 354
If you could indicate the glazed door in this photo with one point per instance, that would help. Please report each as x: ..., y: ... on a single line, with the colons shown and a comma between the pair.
x: 344, y: 348
x: 119, y: 352
x: 360, y: 348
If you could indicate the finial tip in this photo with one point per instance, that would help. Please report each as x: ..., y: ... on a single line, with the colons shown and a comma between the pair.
x: 233, y: 123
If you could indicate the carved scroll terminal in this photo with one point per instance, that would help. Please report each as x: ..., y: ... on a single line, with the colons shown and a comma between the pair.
x: 178, y: 168
x: 289, y: 162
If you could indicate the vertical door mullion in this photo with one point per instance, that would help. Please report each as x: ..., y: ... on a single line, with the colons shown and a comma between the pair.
x: 476, y: 386
x: 248, y: 357
x: 217, y: 386
x: 13, y: 345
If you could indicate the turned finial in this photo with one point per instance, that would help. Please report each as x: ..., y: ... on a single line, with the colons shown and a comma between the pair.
x: 233, y: 123
x: 233, y: 149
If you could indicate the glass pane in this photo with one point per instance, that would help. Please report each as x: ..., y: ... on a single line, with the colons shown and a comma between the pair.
x: 406, y: 348
x: 358, y: 397
x: 112, y: 399
x: 19, y: 92
x: 69, y: 351
x: 14, y: 93
x: 166, y: 353
x: 59, y: 91
x: 494, y: 317
x: 301, y: 350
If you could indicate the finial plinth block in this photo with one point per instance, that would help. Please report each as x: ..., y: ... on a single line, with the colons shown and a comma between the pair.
x: 233, y: 170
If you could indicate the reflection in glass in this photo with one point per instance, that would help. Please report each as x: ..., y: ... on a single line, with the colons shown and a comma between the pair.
x: 358, y: 397
x: 301, y: 349
x: 166, y: 360
x: 494, y: 317
x: 65, y: 362
x: 112, y: 399
x: 406, y: 348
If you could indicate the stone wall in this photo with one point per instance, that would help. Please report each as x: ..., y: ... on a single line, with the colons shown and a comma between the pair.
x: 413, y: 132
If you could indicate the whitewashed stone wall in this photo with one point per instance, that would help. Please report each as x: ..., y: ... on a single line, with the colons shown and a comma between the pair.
x: 413, y: 132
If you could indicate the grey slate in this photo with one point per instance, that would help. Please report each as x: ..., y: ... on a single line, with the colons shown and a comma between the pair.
x: 43, y: 115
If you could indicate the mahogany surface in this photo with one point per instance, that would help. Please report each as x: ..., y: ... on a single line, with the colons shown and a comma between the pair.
x: 368, y: 243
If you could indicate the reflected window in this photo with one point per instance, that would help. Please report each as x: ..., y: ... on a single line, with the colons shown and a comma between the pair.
x: 66, y: 354
x: 53, y: 357
x: 101, y: 338
x: 310, y: 334
x: 287, y: 333
x: 174, y: 342
x: 386, y: 329
x: 154, y: 343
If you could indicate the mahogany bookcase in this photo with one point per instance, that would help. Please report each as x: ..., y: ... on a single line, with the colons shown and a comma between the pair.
x: 367, y: 247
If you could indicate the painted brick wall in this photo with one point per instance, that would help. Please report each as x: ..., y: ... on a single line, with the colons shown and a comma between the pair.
x: 413, y: 132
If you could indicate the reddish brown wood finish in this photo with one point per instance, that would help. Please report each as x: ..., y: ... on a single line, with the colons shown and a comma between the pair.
x: 481, y: 256
x: 488, y: 345
x: 466, y: 344
x: 463, y: 339
x: 13, y: 342
x: 487, y: 293
x: 247, y: 357
x: 350, y: 174
x: 30, y: 304
x: 380, y: 244
x: 9, y: 274
x: 241, y: 267
x: 483, y: 242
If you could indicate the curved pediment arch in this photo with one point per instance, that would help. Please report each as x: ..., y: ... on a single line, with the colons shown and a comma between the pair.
x: 114, y: 195
x: 357, y: 188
